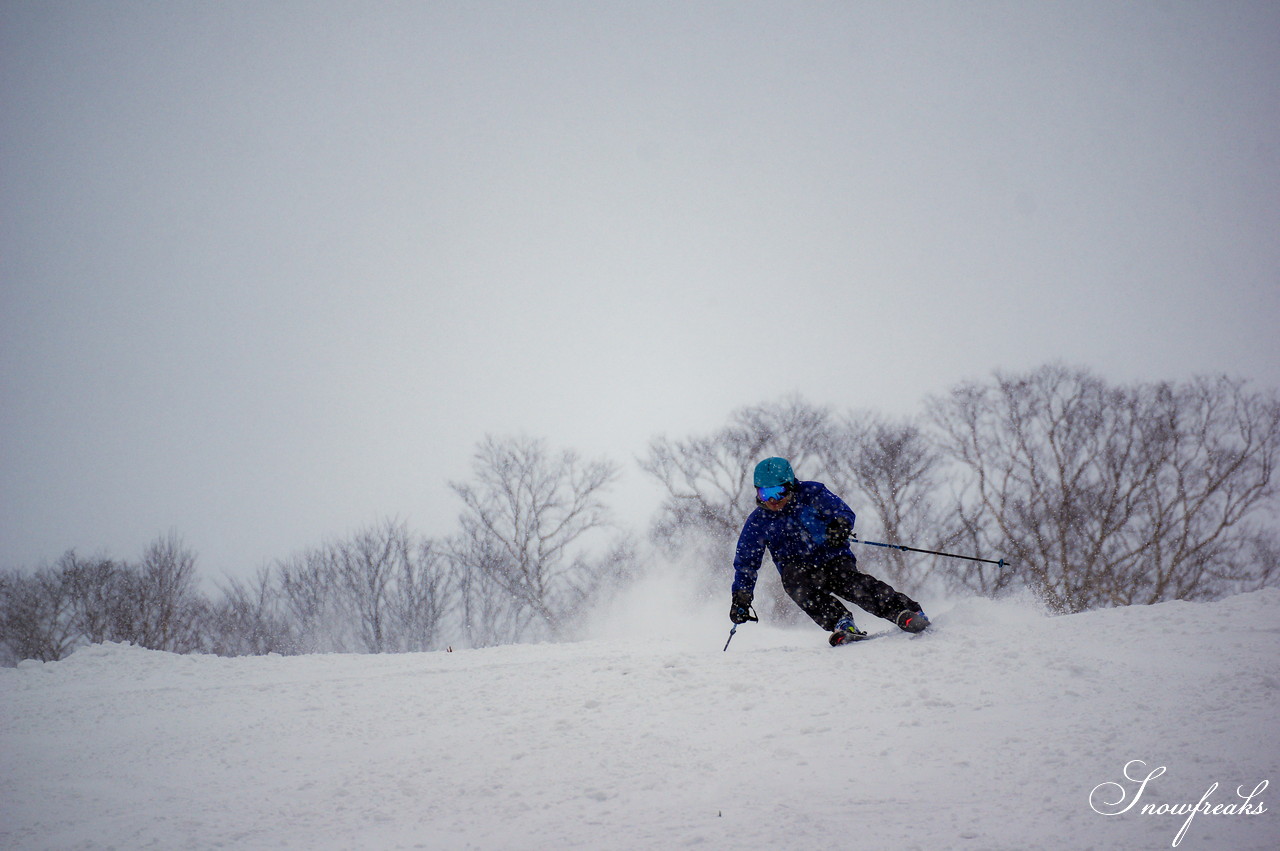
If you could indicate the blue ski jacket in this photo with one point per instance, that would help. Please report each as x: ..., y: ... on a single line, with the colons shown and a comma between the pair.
x: 795, y: 535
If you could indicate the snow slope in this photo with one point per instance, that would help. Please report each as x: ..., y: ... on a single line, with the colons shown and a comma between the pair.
x: 999, y: 730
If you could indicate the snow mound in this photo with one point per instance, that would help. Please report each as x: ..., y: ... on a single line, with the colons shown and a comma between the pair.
x: 1002, y: 728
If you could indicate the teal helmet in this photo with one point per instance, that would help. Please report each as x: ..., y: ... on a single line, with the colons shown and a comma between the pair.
x: 772, y: 472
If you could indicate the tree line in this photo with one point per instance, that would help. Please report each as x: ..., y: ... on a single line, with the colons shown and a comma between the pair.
x: 536, y: 551
x: 1094, y: 494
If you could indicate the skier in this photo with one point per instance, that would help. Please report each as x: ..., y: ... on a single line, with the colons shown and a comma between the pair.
x: 806, y: 529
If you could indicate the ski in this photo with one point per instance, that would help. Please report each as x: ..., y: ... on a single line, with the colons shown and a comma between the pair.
x: 886, y: 633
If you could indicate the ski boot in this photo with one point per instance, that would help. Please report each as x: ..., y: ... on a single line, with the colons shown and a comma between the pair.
x: 846, y: 632
x: 912, y: 621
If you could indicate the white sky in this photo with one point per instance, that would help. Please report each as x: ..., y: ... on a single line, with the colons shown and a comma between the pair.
x: 268, y: 271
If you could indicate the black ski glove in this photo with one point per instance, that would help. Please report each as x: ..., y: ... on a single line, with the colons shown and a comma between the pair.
x: 740, y: 611
x: 839, y: 529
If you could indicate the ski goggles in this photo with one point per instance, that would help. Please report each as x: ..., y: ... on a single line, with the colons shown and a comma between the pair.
x: 770, y: 494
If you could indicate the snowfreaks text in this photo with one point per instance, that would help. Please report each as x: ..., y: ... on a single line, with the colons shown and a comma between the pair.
x: 1101, y: 799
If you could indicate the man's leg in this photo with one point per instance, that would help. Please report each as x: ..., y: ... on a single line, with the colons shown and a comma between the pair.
x: 810, y: 589
x: 864, y: 590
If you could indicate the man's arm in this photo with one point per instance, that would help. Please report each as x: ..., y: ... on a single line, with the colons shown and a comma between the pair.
x: 841, y: 517
x: 748, y: 556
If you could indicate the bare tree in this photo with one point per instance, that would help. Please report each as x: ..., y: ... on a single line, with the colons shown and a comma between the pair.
x: 383, y: 590
x: 489, y: 615
x: 249, y: 620
x: 422, y: 598
x: 897, y: 469
x: 396, y: 586
x: 708, y: 478
x: 1259, y: 565
x: 527, y: 519
x: 36, y: 616
x: 313, y: 602
x: 1106, y: 495
x: 156, y: 605
x: 94, y: 584
x: 82, y: 601
x: 367, y: 564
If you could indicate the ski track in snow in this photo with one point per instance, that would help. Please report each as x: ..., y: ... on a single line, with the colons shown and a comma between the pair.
x: 988, y: 732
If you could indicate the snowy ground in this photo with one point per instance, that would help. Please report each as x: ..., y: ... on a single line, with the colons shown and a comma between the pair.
x: 1000, y: 730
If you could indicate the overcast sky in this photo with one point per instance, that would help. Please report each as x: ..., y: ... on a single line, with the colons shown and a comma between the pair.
x: 269, y: 271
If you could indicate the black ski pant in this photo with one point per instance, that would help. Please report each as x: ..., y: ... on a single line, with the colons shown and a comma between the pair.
x: 815, y: 588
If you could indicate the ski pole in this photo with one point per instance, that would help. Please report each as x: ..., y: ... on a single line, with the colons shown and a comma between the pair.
x: 853, y: 539
x: 750, y: 617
